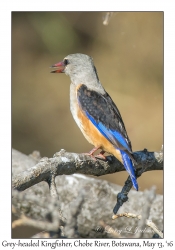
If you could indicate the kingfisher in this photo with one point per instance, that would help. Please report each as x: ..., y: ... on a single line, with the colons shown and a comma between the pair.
x: 94, y: 111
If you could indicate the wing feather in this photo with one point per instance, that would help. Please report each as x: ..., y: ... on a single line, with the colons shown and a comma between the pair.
x: 104, y: 114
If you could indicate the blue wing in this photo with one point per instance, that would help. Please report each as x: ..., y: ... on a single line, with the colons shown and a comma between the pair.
x: 112, y: 135
x: 103, y: 113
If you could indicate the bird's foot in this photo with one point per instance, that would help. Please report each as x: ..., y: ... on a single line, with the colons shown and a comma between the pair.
x: 101, y: 155
x: 92, y: 152
x: 91, y: 155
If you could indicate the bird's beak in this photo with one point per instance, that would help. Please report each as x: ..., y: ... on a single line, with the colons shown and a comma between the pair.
x: 58, y: 67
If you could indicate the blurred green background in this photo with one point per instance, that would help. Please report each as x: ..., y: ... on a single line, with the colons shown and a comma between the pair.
x: 128, y: 55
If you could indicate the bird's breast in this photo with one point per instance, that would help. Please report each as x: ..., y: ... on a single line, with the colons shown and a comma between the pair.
x: 74, y: 108
x: 78, y: 114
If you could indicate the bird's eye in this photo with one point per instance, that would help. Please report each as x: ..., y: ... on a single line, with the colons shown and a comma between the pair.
x: 66, y: 62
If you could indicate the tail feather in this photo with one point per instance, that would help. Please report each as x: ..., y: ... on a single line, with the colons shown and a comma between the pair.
x: 129, y: 168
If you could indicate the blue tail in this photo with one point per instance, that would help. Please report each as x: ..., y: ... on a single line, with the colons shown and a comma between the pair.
x: 129, y: 168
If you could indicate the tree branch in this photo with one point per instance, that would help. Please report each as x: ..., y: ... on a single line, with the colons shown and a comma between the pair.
x: 69, y: 163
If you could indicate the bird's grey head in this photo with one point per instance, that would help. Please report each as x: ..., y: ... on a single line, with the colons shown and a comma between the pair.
x: 81, y: 70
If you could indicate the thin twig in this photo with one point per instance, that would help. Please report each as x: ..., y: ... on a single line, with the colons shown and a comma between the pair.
x: 153, y: 226
x: 52, y: 186
x: 107, y: 18
x: 128, y: 215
